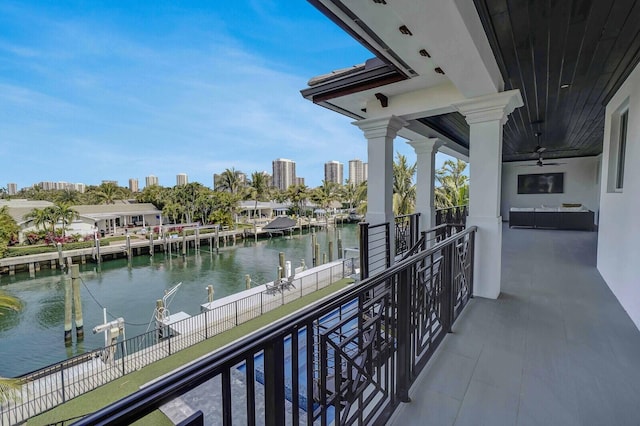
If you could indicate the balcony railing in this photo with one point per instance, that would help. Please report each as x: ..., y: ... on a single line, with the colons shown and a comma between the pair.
x: 375, y: 249
x: 349, y: 359
x: 48, y: 387
x: 406, y: 232
x: 456, y: 215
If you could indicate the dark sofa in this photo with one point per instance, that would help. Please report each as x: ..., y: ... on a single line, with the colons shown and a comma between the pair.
x: 552, y: 218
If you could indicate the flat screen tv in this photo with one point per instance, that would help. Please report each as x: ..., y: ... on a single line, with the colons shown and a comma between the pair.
x: 541, y: 183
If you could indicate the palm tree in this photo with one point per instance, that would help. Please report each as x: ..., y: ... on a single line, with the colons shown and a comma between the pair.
x: 348, y: 194
x: 229, y: 181
x: 64, y: 213
x: 298, y: 196
x: 259, y: 189
x: 454, y: 184
x: 361, y: 198
x: 404, y: 190
x: 324, y: 195
x: 42, y: 217
x: 39, y: 217
x: 108, y: 193
x: 8, y: 387
x: 68, y: 196
x: 154, y: 194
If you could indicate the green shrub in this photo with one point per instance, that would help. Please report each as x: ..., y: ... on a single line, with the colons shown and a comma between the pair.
x: 27, y: 250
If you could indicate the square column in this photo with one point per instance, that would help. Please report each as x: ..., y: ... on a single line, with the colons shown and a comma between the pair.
x: 380, y: 133
x: 486, y: 115
x: 426, y: 150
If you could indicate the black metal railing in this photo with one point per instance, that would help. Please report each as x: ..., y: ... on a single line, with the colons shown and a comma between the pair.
x: 406, y: 232
x: 375, y: 248
x: 48, y: 387
x: 350, y: 359
x: 456, y: 215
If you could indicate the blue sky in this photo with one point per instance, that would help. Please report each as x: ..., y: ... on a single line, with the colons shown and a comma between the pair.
x: 110, y: 90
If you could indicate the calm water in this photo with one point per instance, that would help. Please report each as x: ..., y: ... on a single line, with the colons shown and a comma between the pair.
x: 34, y: 338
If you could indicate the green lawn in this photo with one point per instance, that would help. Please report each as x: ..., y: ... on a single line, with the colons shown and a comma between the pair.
x: 130, y: 383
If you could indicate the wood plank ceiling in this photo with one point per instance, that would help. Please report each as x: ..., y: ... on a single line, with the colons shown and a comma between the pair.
x: 567, y: 57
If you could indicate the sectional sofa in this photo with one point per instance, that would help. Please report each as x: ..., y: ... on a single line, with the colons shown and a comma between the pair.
x: 571, y: 217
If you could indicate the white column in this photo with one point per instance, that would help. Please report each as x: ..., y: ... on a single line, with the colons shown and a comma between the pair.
x: 380, y: 133
x: 426, y: 150
x: 486, y: 115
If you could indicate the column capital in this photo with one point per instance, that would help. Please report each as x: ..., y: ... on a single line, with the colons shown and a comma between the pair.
x: 381, y: 127
x: 495, y: 107
x: 426, y: 145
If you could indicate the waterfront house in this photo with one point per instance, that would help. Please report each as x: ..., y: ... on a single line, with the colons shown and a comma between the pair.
x: 107, y: 218
x: 548, y: 339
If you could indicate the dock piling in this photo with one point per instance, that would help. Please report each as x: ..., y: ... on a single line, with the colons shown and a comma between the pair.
x: 68, y: 300
x: 210, y: 293
x: 247, y: 281
x: 77, y: 300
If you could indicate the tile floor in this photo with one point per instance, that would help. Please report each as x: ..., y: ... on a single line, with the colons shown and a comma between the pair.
x: 556, y: 348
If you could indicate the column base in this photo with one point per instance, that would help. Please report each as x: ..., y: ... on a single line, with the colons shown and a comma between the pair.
x: 487, y: 270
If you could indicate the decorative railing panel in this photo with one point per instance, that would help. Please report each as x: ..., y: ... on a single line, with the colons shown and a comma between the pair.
x: 348, y: 360
x: 406, y: 232
x: 456, y: 215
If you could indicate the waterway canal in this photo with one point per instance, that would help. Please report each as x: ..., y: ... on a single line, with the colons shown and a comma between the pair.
x: 34, y: 337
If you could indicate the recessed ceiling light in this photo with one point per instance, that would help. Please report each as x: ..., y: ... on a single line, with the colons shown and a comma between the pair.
x: 565, y: 86
x: 423, y: 52
x: 404, y: 30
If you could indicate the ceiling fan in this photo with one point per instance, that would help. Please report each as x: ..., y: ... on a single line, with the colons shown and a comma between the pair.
x: 540, y: 163
x: 539, y: 149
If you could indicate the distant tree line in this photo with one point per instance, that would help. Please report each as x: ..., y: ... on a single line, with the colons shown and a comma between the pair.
x: 195, y: 202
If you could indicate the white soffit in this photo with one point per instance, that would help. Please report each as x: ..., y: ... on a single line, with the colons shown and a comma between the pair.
x: 449, y: 30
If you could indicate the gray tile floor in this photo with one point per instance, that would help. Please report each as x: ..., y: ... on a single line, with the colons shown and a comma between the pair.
x: 556, y: 348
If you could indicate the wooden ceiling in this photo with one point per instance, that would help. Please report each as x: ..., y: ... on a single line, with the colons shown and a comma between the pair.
x: 543, y: 45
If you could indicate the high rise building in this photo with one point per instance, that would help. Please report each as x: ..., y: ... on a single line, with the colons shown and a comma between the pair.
x: 333, y: 172
x: 150, y: 180
x: 133, y: 185
x: 182, y: 179
x: 365, y: 171
x: 356, y: 172
x: 299, y: 180
x: 12, y: 189
x: 284, y: 173
x: 52, y: 186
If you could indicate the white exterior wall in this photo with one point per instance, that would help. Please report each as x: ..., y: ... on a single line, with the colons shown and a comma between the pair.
x: 581, y: 184
x: 618, y: 247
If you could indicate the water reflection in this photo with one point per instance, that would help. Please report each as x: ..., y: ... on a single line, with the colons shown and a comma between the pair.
x: 34, y: 337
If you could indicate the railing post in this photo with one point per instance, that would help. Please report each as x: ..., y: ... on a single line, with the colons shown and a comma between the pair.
x: 447, y: 290
x: 364, y: 250
x: 64, y: 399
x: 274, y: 395
x: 387, y: 238
x: 122, y: 351
x: 404, y: 334
x: 415, y: 228
x: 472, y: 248
x: 206, y: 325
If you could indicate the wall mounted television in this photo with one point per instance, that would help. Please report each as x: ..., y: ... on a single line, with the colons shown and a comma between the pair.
x: 541, y: 183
